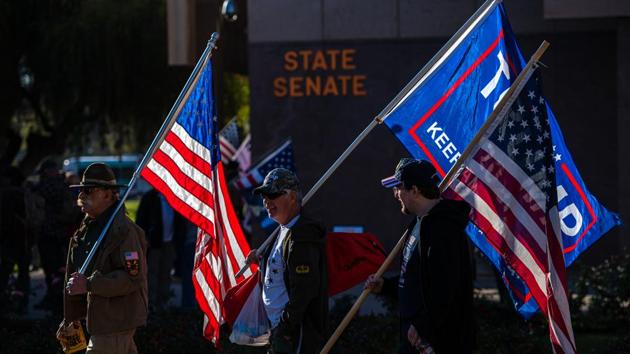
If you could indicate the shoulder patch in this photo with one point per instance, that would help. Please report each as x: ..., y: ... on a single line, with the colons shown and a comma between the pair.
x: 302, y: 269
x: 132, y: 263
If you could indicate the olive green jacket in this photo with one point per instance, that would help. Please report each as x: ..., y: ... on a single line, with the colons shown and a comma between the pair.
x: 117, y: 297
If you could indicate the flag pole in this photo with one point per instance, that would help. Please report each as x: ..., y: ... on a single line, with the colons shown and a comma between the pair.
x: 439, y: 57
x: 416, y: 82
x: 243, y: 146
x: 499, y: 111
x: 166, y: 126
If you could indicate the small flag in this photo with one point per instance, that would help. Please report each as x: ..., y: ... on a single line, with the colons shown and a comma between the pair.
x: 229, y: 139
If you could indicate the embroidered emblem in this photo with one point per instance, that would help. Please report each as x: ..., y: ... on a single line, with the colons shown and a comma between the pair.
x: 132, y: 263
x: 302, y: 269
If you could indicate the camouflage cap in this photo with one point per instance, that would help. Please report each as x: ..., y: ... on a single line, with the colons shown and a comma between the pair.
x: 278, y: 180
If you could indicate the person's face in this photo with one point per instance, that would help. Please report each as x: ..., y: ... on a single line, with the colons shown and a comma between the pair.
x: 94, y: 200
x: 405, y: 197
x: 281, y: 207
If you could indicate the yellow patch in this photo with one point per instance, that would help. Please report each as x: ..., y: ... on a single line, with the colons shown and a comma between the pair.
x: 302, y: 269
x: 132, y: 267
x: 132, y: 263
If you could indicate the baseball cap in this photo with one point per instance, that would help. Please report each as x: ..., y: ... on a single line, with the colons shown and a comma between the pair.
x: 276, y: 181
x: 412, y: 171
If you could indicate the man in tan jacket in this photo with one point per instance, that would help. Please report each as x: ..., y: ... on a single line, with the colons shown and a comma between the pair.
x: 111, y: 295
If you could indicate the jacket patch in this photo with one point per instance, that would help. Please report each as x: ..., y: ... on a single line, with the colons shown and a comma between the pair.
x: 302, y: 269
x: 132, y: 263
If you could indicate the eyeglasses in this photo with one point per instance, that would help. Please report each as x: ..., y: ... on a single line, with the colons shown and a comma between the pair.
x: 86, y: 190
x: 273, y: 196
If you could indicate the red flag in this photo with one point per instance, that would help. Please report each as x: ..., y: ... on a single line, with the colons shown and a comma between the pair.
x: 351, y: 258
x: 236, y: 297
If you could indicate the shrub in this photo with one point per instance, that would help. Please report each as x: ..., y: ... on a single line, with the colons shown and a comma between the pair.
x: 602, y: 295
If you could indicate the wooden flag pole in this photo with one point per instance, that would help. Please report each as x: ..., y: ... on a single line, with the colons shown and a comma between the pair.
x: 499, y: 111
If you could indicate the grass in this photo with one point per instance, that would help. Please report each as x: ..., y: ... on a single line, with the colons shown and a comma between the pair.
x: 132, y: 207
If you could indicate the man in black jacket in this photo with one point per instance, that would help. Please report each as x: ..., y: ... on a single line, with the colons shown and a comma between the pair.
x: 434, y: 288
x: 165, y: 230
x: 295, y: 284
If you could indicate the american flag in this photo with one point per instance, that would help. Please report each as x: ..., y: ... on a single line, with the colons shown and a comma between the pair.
x: 280, y: 157
x: 229, y: 140
x: 244, y: 155
x: 509, y: 181
x: 187, y: 170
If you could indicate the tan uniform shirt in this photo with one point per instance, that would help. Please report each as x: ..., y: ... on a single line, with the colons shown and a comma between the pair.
x: 117, y: 278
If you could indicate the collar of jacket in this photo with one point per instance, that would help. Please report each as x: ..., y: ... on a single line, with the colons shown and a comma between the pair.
x: 101, y: 220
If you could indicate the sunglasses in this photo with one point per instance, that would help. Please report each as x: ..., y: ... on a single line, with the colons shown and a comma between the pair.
x: 273, y: 196
x: 88, y: 190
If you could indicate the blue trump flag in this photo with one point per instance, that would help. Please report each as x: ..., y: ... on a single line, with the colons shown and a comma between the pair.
x: 441, y: 115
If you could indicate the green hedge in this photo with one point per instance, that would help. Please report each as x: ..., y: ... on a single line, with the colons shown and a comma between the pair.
x: 603, y: 294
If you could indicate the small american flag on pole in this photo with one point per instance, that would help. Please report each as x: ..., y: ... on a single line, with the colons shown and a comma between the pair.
x: 187, y: 170
x: 280, y: 157
x: 509, y: 181
x: 229, y: 140
x: 244, y: 155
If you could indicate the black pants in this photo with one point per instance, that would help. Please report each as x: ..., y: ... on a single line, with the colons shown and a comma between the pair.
x: 279, y: 344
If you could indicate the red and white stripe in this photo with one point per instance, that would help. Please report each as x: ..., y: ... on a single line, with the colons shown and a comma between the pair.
x: 181, y: 169
x: 509, y: 207
x: 227, y: 149
x: 250, y: 180
x: 244, y: 155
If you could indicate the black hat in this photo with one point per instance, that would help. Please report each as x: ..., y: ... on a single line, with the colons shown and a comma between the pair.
x: 277, y: 180
x: 98, y: 174
x: 413, y: 172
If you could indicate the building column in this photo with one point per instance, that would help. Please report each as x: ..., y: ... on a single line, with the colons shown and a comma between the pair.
x: 623, y: 124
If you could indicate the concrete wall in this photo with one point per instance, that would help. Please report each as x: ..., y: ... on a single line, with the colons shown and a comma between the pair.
x: 586, y: 8
x: 324, y: 20
x: 623, y: 123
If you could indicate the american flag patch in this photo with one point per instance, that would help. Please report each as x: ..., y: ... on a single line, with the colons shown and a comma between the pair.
x: 130, y: 256
x: 390, y: 182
